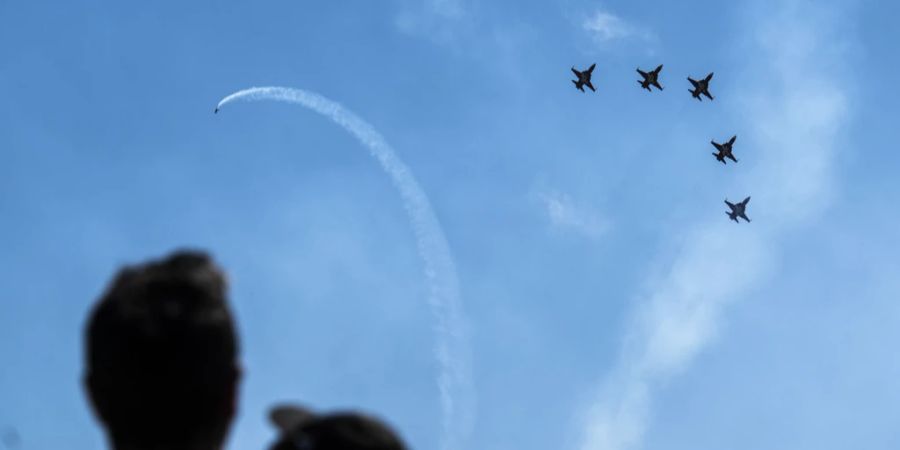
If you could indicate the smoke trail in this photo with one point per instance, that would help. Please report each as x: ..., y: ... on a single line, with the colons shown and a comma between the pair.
x: 452, y: 350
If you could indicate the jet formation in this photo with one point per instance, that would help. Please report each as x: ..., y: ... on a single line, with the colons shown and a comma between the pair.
x: 700, y: 90
x: 724, y: 150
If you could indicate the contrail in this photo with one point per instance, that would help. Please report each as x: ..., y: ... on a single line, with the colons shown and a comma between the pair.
x: 452, y: 349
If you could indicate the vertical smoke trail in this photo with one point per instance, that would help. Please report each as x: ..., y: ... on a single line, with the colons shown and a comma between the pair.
x: 452, y: 351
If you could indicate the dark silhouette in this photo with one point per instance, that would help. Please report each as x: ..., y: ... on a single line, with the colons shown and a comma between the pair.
x: 701, y: 87
x: 650, y: 78
x: 161, y: 356
x: 724, y: 150
x: 301, y: 429
x: 737, y: 210
x: 584, y: 78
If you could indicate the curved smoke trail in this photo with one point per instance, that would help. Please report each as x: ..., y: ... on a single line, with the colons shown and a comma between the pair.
x: 452, y: 351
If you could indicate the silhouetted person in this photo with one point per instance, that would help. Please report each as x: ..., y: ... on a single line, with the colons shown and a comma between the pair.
x: 301, y: 429
x: 161, y: 356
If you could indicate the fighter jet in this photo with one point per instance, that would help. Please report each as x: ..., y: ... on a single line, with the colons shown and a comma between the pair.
x: 216, y: 111
x: 584, y: 78
x: 650, y: 78
x: 701, y: 87
x: 737, y: 210
x: 724, y: 150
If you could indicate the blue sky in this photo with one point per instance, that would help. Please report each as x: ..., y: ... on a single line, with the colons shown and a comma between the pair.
x: 611, y: 303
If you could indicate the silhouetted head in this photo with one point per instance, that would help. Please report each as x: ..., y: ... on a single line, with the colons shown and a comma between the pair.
x: 161, y: 355
x: 303, y: 430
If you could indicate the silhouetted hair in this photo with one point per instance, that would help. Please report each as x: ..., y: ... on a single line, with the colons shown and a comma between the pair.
x: 301, y: 429
x: 161, y: 353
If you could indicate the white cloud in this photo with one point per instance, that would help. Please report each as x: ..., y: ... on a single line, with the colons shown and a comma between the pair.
x: 796, y: 119
x: 605, y: 27
x: 564, y: 213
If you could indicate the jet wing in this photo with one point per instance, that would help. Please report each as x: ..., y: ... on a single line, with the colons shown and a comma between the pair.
x: 591, y: 69
x: 694, y: 82
x: 643, y: 74
x: 658, y: 68
x: 746, y: 200
x: 577, y: 73
x: 709, y: 77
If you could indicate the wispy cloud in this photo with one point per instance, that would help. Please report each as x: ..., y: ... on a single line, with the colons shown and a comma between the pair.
x: 438, y: 20
x: 564, y: 213
x: 796, y: 119
x: 604, y: 28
